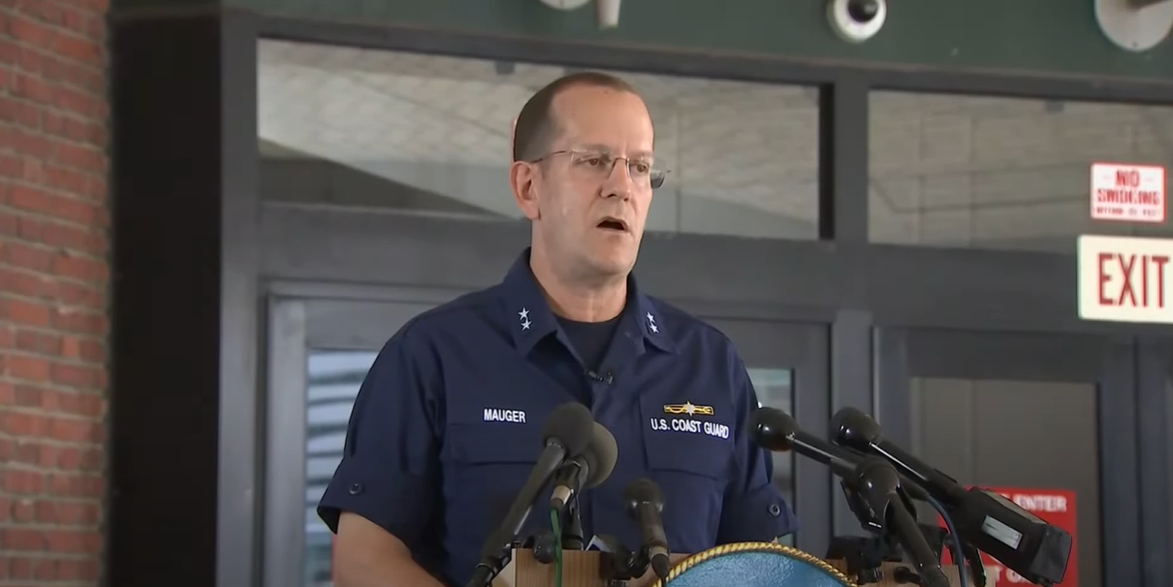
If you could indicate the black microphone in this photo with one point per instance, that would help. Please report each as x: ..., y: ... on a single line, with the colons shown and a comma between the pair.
x: 853, y: 428
x: 643, y: 503
x: 1020, y: 540
x: 776, y: 431
x: 587, y: 470
x: 607, y: 377
x: 567, y: 432
x: 875, y: 483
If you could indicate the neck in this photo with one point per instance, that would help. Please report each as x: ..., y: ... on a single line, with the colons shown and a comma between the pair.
x: 579, y: 299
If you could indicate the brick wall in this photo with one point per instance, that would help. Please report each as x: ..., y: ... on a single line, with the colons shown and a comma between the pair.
x: 54, y: 277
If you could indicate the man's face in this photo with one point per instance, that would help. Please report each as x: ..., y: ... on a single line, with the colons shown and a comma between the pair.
x: 589, y: 196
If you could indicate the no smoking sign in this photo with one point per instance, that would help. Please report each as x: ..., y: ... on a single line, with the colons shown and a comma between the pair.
x: 1130, y: 193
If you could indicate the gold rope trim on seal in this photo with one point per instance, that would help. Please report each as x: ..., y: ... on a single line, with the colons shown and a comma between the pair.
x: 725, y: 549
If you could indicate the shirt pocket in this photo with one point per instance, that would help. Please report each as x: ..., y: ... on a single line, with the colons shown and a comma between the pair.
x: 689, y: 458
x: 487, y: 463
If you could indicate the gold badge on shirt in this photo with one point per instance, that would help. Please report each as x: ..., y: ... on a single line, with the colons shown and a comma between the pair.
x: 688, y: 408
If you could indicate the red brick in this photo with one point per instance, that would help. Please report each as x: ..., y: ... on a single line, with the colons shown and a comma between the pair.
x: 79, y: 321
x: 7, y: 339
x: 76, y: 431
x: 23, y: 511
x: 26, y: 368
x: 45, y: 570
x: 81, y: 295
x: 25, y: 313
x: 54, y: 222
x: 33, y: 258
x: 37, y: 342
x: 22, y: 539
x: 27, y: 396
x: 26, y: 284
x: 21, y: 568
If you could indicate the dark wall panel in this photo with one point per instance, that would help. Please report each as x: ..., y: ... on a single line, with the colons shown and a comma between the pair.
x: 910, y: 286
x: 1031, y: 38
x: 185, y: 305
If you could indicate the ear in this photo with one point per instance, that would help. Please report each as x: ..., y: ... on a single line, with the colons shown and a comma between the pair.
x: 522, y: 179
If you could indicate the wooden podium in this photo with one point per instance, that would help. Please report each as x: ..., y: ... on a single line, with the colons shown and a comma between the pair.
x: 581, y: 569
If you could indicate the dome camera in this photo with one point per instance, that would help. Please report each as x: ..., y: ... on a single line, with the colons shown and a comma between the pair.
x: 856, y: 21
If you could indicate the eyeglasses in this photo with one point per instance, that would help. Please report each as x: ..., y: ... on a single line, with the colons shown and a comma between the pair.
x: 600, y: 166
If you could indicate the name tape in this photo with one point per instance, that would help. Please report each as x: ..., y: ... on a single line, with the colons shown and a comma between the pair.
x: 690, y: 426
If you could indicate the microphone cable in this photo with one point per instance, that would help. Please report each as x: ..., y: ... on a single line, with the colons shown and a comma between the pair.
x: 557, y: 529
x: 958, y: 555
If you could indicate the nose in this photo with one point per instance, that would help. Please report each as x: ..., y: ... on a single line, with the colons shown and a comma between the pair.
x: 618, y: 184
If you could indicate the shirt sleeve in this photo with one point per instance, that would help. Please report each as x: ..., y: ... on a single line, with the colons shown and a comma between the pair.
x: 754, y: 509
x: 389, y: 472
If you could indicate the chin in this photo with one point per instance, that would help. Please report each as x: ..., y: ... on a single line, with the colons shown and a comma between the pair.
x: 615, y: 263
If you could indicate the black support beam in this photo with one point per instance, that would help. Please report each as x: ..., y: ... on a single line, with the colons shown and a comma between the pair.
x: 185, y: 334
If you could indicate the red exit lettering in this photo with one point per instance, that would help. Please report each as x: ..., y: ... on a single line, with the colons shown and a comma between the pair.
x: 1125, y: 280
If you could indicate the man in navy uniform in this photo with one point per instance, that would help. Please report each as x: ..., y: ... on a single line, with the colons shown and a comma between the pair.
x: 448, y: 422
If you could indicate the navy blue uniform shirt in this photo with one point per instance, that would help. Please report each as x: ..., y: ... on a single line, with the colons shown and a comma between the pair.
x: 447, y: 425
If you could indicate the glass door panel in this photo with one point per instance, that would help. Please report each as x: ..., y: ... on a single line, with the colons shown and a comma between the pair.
x: 788, y: 365
x: 1035, y: 412
x: 1155, y: 431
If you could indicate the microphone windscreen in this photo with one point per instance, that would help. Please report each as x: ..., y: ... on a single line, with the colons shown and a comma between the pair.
x: 772, y: 429
x: 601, y: 455
x: 572, y: 425
x: 642, y: 490
x: 851, y: 427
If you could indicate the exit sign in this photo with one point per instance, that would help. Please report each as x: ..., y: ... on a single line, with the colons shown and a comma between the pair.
x: 1125, y: 279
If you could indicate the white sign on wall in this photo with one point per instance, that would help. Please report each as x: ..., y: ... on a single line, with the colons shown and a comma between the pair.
x: 1131, y: 193
x: 1125, y: 279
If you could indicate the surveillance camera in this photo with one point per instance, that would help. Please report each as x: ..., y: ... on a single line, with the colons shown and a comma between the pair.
x: 856, y: 21
x: 607, y: 13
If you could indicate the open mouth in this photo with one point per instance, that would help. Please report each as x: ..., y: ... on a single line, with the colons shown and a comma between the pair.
x: 613, y: 224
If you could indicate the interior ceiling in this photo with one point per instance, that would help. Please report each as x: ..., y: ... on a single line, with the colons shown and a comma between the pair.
x: 957, y: 165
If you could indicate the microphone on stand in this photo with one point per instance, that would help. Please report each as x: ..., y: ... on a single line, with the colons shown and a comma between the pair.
x: 875, y: 483
x: 586, y: 471
x: 567, y: 431
x: 857, y: 430
x: 776, y: 431
x: 1020, y: 540
x: 643, y: 502
x: 781, y: 433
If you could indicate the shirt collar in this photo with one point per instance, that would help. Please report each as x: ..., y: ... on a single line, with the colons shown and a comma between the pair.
x: 529, y: 318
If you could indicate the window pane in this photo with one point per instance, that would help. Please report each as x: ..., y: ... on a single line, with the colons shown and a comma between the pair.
x: 428, y: 134
x: 1017, y: 434
x: 333, y: 379
x: 774, y: 387
x: 1001, y: 173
